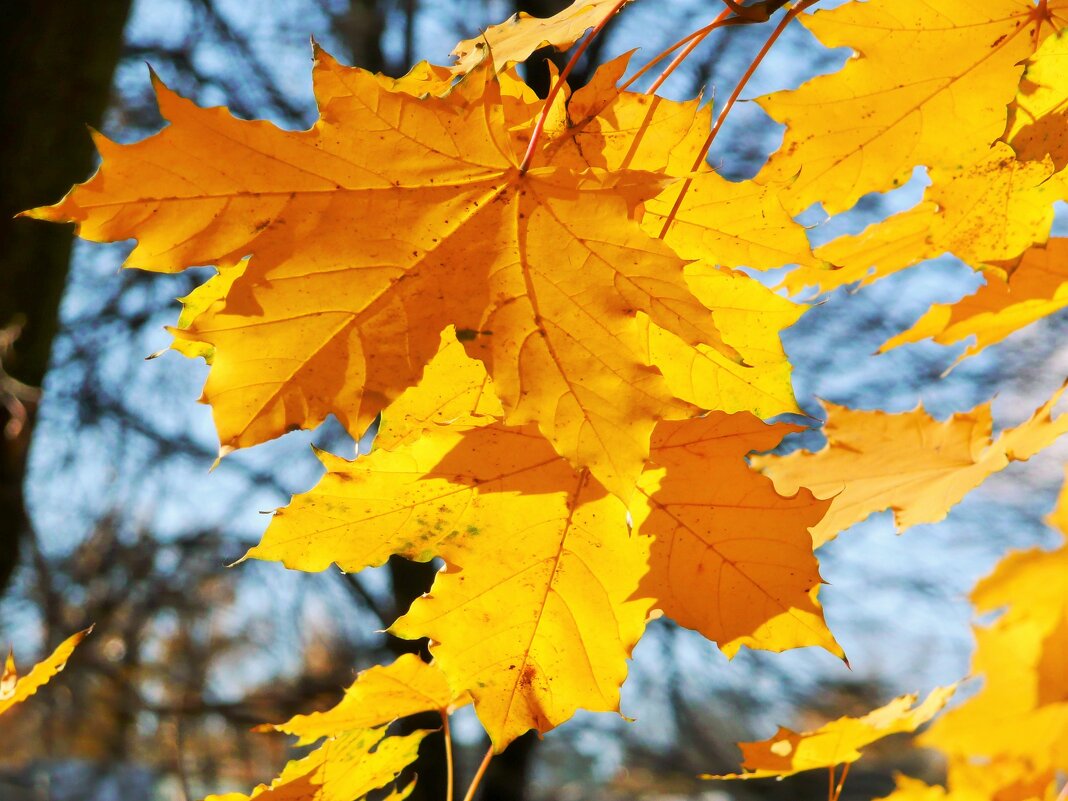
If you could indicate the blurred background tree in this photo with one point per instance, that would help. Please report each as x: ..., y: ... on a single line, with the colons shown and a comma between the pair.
x: 108, y: 516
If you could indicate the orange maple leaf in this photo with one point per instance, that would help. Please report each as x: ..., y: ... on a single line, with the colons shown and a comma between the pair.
x: 543, y: 274
x: 1036, y: 288
x: 731, y: 558
x: 1021, y: 712
x: 838, y: 742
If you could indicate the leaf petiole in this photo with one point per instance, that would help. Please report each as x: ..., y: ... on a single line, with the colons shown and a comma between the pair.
x: 775, y: 34
x: 699, y: 36
x: 539, y: 127
x: 479, y: 774
x: 449, y: 770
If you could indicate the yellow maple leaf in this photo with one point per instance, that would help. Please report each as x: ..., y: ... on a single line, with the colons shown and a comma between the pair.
x: 378, y: 696
x: 1038, y: 117
x: 15, y: 689
x: 1036, y: 288
x: 542, y: 273
x: 731, y: 557
x: 541, y: 573
x: 1007, y: 717
x: 536, y: 612
x: 838, y: 742
x: 344, y: 768
x: 989, y: 211
x: 515, y: 39
x: 523, y: 534
x: 909, y: 462
x: 1021, y: 712
x: 995, y: 780
x: 930, y: 85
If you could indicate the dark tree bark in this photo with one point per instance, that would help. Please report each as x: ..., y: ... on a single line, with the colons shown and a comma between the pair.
x: 362, y: 29
x: 57, y: 59
x: 537, y: 67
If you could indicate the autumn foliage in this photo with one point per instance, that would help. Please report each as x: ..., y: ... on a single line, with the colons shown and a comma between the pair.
x: 540, y: 303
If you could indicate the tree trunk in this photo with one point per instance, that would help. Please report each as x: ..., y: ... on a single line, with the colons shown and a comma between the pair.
x: 57, y: 59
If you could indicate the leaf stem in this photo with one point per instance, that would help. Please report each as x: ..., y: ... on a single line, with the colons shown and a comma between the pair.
x: 449, y: 770
x: 700, y: 32
x: 539, y: 127
x: 479, y: 774
x: 697, y: 37
x: 841, y: 781
x: 775, y: 34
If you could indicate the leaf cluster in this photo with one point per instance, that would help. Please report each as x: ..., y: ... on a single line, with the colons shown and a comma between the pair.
x: 541, y: 304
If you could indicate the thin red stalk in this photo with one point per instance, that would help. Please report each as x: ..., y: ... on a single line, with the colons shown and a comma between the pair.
x: 449, y: 771
x: 539, y: 127
x: 701, y: 32
x: 699, y: 37
x: 775, y: 34
x: 830, y: 785
x: 841, y: 781
x: 478, y: 776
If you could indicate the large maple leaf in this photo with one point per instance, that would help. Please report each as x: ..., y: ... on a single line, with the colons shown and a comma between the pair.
x: 930, y: 85
x: 535, y: 615
x: 409, y: 214
x: 542, y: 571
